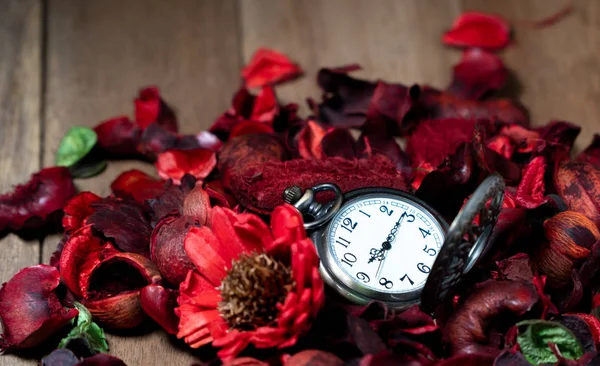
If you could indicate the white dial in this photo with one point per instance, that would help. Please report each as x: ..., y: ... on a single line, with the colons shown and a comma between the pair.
x: 357, y: 237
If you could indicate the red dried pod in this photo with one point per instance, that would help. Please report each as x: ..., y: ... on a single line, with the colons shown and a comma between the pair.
x: 28, y: 206
x: 466, y: 332
x: 166, y: 247
x: 159, y: 303
x: 479, y: 30
x: 77, y: 210
x: 30, y: 308
x: 269, y: 67
x: 578, y: 183
x: 197, y: 205
x: 137, y: 185
x: 244, y: 150
x: 174, y: 164
x: 259, y: 187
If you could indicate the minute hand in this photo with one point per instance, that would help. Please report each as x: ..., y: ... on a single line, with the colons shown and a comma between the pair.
x: 387, y: 244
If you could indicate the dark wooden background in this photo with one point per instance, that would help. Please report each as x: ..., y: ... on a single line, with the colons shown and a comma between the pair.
x: 77, y: 62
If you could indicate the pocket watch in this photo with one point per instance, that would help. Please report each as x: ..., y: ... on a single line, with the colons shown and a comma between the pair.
x: 381, y: 244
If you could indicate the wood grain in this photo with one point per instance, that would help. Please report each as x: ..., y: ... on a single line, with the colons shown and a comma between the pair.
x: 558, y: 66
x: 392, y: 40
x: 101, y: 52
x: 20, y: 45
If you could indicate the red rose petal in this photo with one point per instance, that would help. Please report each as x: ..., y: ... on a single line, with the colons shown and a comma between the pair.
x: 159, y: 303
x: 137, y: 185
x: 433, y: 140
x: 150, y: 108
x: 30, y: 203
x: 309, y: 140
x: 475, y: 29
x: 530, y: 192
x: 119, y: 136
x: 250, y: 127
x: 269, y: 67
x: 265, y: 106
x: 477, y: 73
x: 77, y: 211
x: 30, y: 309
x: 174, y: 164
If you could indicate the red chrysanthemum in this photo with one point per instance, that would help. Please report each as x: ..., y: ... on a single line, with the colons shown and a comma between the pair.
x: 269, y: 67
x: 251, y: 285
x: 174, y: 164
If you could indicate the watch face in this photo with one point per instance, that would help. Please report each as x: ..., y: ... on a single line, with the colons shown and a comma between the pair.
x: 382, y: 245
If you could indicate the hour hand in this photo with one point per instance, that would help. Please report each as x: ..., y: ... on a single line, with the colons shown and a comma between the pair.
x: 379, y: 254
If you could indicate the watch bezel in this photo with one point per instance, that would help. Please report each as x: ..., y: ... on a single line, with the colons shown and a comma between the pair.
x: 346, y: 285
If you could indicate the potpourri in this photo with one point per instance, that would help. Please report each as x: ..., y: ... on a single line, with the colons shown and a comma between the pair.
x: 212, y: 254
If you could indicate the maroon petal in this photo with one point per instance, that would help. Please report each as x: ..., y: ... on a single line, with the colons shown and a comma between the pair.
x: 150, y: 108
x: 591, y: 154
x: 393, y: 102
x: 265, y: 106
x: 119, y: 136
x: 559, y: 137
x: 502, y: 145
x: 433, y: 140
x: 309, y: 140
x: 175, y: 164
x: 511, y: 225
x: 530, y: 192
x: 31, y: 203
x: 412, y: 321
x: 155, y: 140
x: 480, y: 30
x: 478, y: 73
x: 171, y: 200
x: 125, y: 222
x: 241, y: 109
x: 474, y: 359
x: 30, y: 309
x: 515, y: 268
x: 77, y: 210
x: 137, y: 185
x: 338, y: 142
x: 101, y: 360
x: 250, y: 127
x: 159, y: 303
x: 376, y: 138
x: 259, y: 187
x: 218, y: 195
x: 490, y: 161
x: 269, y: 67
x: 167, y: 249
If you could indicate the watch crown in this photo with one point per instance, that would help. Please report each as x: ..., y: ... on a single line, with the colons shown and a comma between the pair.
x: 292, y: 194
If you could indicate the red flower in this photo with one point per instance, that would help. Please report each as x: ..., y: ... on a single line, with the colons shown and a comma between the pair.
x: 475, y: 29
x: 269, y: 67
x: 77, y: 211
x: 251, y: 285
x: 174, y: 164
x: 30, y: 203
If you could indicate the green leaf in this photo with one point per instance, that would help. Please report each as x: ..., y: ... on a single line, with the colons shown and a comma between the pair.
x: 76, y: 144
x: 87, y: 168
x: 86, y: 329
x: 534, y: 336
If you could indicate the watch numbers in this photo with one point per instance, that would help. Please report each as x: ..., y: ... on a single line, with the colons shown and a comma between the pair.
x: 363, y: 277
x: 343, y: 242
x: 350, y: 258
x: 424, y: 232
x: 423, y: 268
x: 408, y: 278
x: 409, y: 217
x: 385, y: 283
x: 430, y: 251
x: 348, y: 224
x: 384, y: 209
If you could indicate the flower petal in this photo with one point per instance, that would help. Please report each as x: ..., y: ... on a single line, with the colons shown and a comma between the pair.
x: 475, y: 29
x: 159, y: 303
x: 250, y: 127
x: 137, y: 185
x: 530, y: 192
x: 150, y: 108
x: 309, y: 140
x: 174, y: 164
x: 478, y: 73
x: 591, y: 154
x: 265, y: 106
x: 269, y: 67
x: 31, y: 203
x: 118, y: 136
x: 240, y: 233
x: 338, y: 142
x: 287, y: 226
x: 30, y: 310
x: 77, y: 210
x: 208, y: 254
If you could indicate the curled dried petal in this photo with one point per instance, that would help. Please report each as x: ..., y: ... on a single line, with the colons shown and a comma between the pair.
x: 174, y: 164
x: 480, y: 30
x: 269, y: 67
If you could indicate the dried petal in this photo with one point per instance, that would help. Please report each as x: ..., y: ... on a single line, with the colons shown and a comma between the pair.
x: 259, y: 187
x: 155, y: 140
x: 530, y: 192
x: 309, y: 140
x: 490, y: 161
x: 269, y: 67
x: 77, y: 210
x: 478, y: 73
x: 480, y: 30
x: 119, y: 136
x: 591, y: 154
x: 171, y: 200
x: 501, y: 145
x: 137, y: 185
x: 101, y: 359
x: 123, y: 221
x: 338, y: 142
x: 174, y: 164
x: 159, y: 303
x: 314, y: 358
x: 250, y: 127
x: 150, y: 108
x: 218, y: 195
x: 265, y: 106
x: 30, y: 308
x: 31, y: 203
x: 166, y: 247
x: 578, y: 183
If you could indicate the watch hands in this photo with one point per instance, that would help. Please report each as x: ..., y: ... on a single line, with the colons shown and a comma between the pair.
x: 381, y: 254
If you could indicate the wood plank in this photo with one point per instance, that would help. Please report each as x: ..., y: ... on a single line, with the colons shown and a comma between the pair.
x: 20, y: 45
x: 559, y: 66
x: 101, y: 52
x: 393, y: 40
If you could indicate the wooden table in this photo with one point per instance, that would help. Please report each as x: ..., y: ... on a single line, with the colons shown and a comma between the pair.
x: 76, y: 62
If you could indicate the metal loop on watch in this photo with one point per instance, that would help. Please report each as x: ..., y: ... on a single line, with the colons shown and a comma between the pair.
x: 306, y: 204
